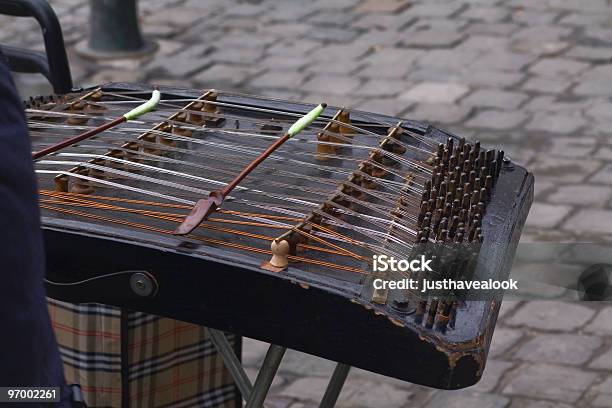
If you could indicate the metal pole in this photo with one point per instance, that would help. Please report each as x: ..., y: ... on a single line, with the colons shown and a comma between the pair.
x: 334, y: 388
x: 114, y: 31
x: 266, y: 375
x: 231, y: 361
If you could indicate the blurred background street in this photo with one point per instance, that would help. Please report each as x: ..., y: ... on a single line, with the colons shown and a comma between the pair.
x: 533, y: 78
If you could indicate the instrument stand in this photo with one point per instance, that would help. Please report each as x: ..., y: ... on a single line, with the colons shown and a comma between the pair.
x: 255, y: 395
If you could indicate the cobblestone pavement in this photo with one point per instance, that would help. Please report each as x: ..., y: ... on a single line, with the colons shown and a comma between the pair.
x: 533, y: 77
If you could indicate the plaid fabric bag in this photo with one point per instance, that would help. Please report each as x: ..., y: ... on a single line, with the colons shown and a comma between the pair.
x: 130, y: 359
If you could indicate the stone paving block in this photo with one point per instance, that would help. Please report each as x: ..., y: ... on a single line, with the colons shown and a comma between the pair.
x: 560, y: 383
x: 433, y: 38
x: 483, y: 43
x: 602, y: 324
x: 500, y: 29
x: 552, y: 104
x: 593, y: 87
x: 604, y: 152
x: 602, y: 35
x: 381, y: 6
x: 462, y: 399
x: 383, y: 87
x: 436, y: 24
x: 543, y: 33
x: 245, y: 56
x: 253, y: 351
x: 344, y: 100
x: 559, y: 348
x: 434, y: 74
x: 342, y: 67
x: 503, y: 339
x: 331, y: 17
x: 291, y: 10
x: 535, y: 46
x: 601, y: 110
x: 580, y: 194
x: 571, y: 146
x: 245, y: 10
x: 355, y: 392
x: 179, y: 16
x: 539, y: 280
x: 604, y: 175
x: 444, y: 58
x: 547, y: 215
x: 595, y: 54
x: 295, y: 362
x: 372, y: 394
x: 534, y: 17
x: 551, y: 315
x: 278, y: 79
x: 599, y: 128
x: 386, y: 106
x: 584, y: 19
x: 579, y: 5
x: 278, y: 62
x: 499, y: 120
x: 117, y: 75
x: 491, y: 78
x: 492, y: 376
x: 440, y: 112
x: 282, y: 29
x: 493, y: 98
x: 307, y: 388
x: 276, y: 401
x: 336, y: 52
x: 178, y: 65
x: 435, y: 92
x: 431, y: 9
x: 331, y: 84
x: 543, y: 187
x: 558, y: 124
x: 603, y: 361
x: 381, y: 21
x: 600, y: 71
x: 337, y: 4
x: 484, y: 13
x: 603, y: 394
x: 545, y: 85
x: 292, y: 46
x: 508, y: 306
x: 278, y: 380
x: 558, y: 67
x: 225, y: 75
x: 373, y: 378
x: 332, y: 34
x: 531, y: 403
x: 303, y: 405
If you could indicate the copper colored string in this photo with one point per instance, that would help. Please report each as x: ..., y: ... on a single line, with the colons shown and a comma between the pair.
x: 176, y: 218
x: 199, y: 238
x: 324, y: 242
x: 186, y: 207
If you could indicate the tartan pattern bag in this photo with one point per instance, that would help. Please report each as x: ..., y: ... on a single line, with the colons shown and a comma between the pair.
x: 130, y: 359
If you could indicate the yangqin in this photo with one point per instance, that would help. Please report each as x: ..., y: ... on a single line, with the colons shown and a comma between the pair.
x: 287, y: 258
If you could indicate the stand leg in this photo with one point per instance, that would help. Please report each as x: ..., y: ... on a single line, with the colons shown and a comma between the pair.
x: 231, y: 361
x: 335, y: 386
x: 266, y: 375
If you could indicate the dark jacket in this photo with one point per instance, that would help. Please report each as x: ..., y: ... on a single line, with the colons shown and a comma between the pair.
x: 29, y: 355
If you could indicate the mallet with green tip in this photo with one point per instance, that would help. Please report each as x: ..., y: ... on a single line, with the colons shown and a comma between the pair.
x: 205, y: 206
x: 138, y: 111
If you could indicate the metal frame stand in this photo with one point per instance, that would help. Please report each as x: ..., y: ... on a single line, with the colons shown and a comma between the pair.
x: 255, y: 395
